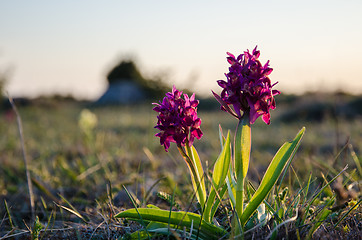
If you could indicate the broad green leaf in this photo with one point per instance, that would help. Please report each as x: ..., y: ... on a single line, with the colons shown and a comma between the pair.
x: 200, y: 170
x: 152, y: 206
x: 210, y: 200
x: 219, y: 174
x: 197, y: 174
x: 139, y: 235
x: 281, y: 158
x: 231, y: 183
x: 221, y: 166
x: 181, y: 219
x: 169, y: 230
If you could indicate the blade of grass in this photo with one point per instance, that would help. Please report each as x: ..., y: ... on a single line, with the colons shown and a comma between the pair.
x: 295, y: 201
x: 48, y: 224
x: 267, y: 204
x: 355, y: 159
x: 75, y: 212
x: 307, y: 188
x: 169, y: 217
x: 149, y: 191
x: 324, y: 165
x: 89, y: 171
x: 9, y: 215
x: 339, y: 153
x: 218, y: 201
x: 43, y: 189
x: 72, y: 209
x: 319, y: 192
x: 135, y: 208
x: 25, y: 158
x: 295, y: 174
x: 346, y: 214
x: 292, y: 219
x: 322, y: 215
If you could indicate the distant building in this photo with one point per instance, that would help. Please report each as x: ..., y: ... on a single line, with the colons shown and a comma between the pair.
x: 122, y: 92
x: 126, y: 85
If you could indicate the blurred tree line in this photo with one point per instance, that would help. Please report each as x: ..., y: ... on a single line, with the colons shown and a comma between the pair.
x: 3, y: 79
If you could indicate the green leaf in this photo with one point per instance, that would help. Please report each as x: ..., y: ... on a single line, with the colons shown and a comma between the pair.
x: 219, y: 175
x: 181, y: 219
x: 139, y: 235
x: 197, y: 174
x: 165, y: 229
x: 231, y: 183
x: 281, y: 158
x: 221, y: 166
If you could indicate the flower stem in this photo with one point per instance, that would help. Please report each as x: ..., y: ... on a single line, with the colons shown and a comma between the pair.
x: 241, y: 159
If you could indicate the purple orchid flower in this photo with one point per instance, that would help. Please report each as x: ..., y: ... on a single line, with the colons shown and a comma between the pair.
x: 177, y: 119
x: 248, y: 88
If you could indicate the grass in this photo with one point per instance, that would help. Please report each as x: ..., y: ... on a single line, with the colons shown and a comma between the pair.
x: 78, y: 177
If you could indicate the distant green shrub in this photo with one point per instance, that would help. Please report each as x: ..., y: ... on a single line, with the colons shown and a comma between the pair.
x: 125, y: 70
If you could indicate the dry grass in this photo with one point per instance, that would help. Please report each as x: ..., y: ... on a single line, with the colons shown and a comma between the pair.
x: 74, y: 174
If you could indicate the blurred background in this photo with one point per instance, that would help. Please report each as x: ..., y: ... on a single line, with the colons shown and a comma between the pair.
x: 68, y: 48
x: 83, y: 75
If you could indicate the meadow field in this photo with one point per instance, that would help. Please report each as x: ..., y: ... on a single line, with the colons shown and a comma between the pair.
x: 79, y: 172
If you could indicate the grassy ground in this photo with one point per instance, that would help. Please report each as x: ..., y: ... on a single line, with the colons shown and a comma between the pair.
x: 78, y: 176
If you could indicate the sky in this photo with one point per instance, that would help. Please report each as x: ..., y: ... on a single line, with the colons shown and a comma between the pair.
x: 68, y: 47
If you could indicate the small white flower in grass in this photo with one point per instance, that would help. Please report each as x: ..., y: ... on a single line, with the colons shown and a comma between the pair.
x: 87, y: 121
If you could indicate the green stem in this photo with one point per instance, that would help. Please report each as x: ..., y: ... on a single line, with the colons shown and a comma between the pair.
x: 242, y: 146
x: 239, y: 196
x: 241, y: 159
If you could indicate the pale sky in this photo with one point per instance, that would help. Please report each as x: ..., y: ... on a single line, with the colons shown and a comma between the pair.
x: 69, y: 46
